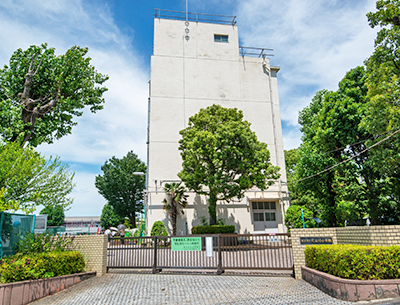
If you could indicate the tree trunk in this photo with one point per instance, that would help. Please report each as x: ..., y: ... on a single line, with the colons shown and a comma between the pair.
x: 331, y: 202
x: 212, y: 209
x: 173, y: 217
x: 133, y: 220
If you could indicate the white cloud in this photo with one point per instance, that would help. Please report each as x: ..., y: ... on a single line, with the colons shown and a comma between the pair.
x: 315, y: 43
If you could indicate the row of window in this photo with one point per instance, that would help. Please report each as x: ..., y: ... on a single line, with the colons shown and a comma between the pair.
x: 269, y: 216
x: 263, y: 205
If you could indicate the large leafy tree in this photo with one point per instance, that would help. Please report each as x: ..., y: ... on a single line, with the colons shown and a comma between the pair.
x: 175, y: 202
x: 119, y: 185
x: 40, y: 93
x: 27, y: 179
x: 55, y: 215
x: 222, y: 157
x: 383, y: 115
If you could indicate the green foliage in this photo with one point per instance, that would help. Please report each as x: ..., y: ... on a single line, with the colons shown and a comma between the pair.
x: 40, y: 265
x: 121, y: 188
x: 175, y: 202
x: 108, y: 217
x: 355, y: 262
x: 55, y: 215
x: 214, y: 229
x: 27, y: 179
x: 294, y: 219
x: 222, y: 157
x: 40, y: 93
x: 158, y: 229
x: 34, y: 243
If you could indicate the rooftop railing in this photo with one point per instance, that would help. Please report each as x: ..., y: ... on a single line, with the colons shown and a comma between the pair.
x: 194, y: 17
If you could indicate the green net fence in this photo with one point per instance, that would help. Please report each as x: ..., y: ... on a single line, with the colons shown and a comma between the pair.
x: 13, y: 227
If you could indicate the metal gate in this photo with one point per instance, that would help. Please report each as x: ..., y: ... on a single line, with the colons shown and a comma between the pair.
x: 229, y: 251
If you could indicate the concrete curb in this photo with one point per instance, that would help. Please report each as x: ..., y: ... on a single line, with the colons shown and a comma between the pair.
x: 351, y: 290
x: 20, y: 293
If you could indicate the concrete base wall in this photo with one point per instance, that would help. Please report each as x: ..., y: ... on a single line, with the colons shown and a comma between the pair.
x: 351, y: 290
x: 20, y: 293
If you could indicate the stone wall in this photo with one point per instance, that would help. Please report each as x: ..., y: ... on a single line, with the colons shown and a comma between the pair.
x: 94, y: 250
x: 367, y: 236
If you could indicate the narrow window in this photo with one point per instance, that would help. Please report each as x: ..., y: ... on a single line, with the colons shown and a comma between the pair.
x: 220, y: 38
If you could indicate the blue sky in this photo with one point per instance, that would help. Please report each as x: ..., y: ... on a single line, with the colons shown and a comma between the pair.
x: 315, y: 42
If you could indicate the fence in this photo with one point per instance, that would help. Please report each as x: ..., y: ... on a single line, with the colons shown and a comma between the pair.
x: 227, y: 251
x: 12, y: 228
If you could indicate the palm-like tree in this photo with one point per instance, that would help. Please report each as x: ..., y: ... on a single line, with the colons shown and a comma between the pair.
x: 175, y: 201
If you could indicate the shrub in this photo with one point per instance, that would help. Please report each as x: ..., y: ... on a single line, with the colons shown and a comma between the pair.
x: 159, y: 229
x: 216, y: 229
x: 355, y: 262
x: 32, y: 243
x: 43, y: 265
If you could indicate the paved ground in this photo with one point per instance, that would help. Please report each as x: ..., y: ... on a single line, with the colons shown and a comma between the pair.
x: 191, y: 289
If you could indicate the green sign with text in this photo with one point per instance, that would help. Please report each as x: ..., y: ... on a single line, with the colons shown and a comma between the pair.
x: 186, y: 244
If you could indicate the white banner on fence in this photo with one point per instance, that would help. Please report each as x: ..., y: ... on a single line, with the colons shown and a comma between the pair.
x: 209, y: 246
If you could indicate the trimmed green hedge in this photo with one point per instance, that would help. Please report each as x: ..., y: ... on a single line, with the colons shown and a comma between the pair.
x: 42, y: 265
x: 355, y: 262
x: 213, y: 229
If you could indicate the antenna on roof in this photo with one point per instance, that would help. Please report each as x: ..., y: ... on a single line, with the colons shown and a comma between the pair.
x: 187, y: 23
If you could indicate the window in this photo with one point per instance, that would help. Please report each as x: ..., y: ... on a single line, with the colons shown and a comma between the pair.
x: 220, y: 38
x: 263, y: 205
x: 270, y: 216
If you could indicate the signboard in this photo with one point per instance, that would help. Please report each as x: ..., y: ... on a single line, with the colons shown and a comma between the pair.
x: 274, y: 239
x: 209, y: 246
x: 186, y: 244
x: 316, y: 241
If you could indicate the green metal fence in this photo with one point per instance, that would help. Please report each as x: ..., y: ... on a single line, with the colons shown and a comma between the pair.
x: 12, y: 228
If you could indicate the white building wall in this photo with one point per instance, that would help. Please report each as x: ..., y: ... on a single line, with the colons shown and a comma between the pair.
x: 187, y: 75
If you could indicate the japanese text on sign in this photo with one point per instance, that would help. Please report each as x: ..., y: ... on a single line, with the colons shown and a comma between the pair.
x: 186, y: 244
x: 316, y: 241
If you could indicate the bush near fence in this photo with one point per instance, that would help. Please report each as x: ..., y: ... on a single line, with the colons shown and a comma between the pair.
x: 355, y: 262
x: 40, y: 265
x: 216, y: 229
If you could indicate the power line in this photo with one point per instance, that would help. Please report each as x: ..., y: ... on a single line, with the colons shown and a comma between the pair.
x: 340, y: 163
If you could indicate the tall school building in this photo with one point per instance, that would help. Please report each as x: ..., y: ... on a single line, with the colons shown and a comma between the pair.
x: 197, y: 63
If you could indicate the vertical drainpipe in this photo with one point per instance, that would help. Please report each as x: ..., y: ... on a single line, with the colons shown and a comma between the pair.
x: 146, y: 195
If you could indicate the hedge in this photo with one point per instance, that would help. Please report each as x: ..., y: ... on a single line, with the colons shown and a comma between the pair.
x: 216, y: 229
x: 40, y: 265
x: 355, y: 262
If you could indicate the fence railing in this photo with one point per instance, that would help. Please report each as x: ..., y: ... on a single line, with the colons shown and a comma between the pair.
x: 229, y: 251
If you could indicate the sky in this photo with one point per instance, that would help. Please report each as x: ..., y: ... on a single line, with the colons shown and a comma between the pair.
x: 315, y: 43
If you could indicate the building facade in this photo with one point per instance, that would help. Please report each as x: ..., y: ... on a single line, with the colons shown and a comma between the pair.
x: 194, y: 65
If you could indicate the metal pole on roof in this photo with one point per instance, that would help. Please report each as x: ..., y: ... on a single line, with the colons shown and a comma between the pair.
x: 186, y: 10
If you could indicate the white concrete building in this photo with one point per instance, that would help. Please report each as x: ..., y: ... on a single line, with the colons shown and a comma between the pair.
x: 194, y: 65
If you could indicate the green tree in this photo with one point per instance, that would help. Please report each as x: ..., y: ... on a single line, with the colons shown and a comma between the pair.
x: 175, y: 202
x: 294, y: 217
x: 108, y: 217
x: 55, y: 215
x: 40, y: 93
x: 27, y: 180
x: 383, y: 112
x: 119, y: 185
x: 222, y: 157
x: 158, y: 229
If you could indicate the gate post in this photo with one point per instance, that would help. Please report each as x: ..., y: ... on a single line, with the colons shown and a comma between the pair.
x: 219, y: 269
x: 155, y: 256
